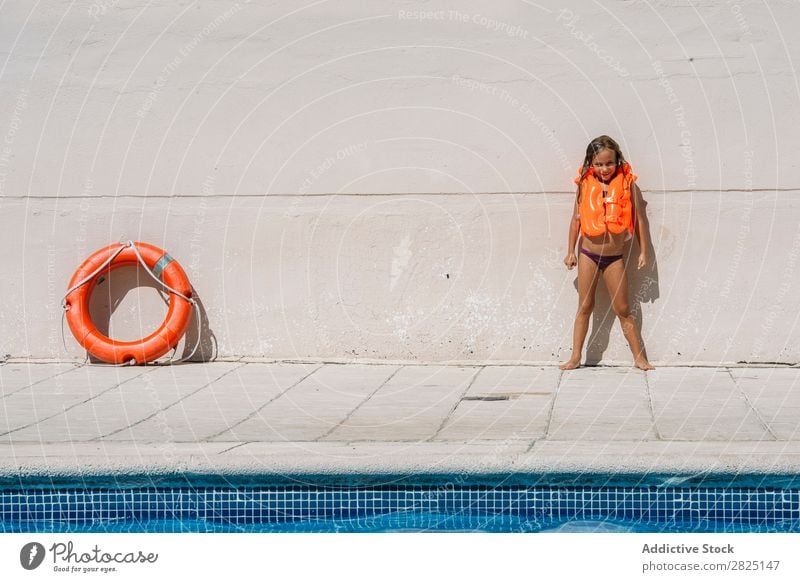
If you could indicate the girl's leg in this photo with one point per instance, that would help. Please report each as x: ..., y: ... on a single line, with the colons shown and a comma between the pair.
x: 617, y: 284
x: 588, y: 276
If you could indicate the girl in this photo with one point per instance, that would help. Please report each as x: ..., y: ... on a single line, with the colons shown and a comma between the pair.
x: 608, y: 209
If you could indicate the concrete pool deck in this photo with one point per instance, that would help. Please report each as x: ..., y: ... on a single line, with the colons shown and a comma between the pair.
x: 247, y: 417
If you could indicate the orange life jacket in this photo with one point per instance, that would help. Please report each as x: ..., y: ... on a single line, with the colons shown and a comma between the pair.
x: 613, y: 213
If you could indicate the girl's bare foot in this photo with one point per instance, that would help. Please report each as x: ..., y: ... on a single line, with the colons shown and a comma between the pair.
x: 643, y: 364
x: 571, y: 364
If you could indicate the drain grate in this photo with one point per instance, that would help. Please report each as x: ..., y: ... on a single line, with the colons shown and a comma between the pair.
x: 488, y: 398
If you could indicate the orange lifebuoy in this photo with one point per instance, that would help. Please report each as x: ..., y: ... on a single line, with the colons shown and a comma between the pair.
x: 154, y: 345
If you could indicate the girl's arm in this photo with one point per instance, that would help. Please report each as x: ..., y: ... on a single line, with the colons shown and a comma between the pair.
x: 642, y: 226
x: 574, y: 229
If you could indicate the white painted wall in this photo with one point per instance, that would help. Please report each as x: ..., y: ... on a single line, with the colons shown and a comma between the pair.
x: 352, y: 180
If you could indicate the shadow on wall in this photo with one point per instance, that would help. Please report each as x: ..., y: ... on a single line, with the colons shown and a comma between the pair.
x: 207, y: 349
x: 110, y: 293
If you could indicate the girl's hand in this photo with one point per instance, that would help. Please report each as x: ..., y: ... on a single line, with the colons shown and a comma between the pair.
x: 570, y: 261
x: 642, y: 261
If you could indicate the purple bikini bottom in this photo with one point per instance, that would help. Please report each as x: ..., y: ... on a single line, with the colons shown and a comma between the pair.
x: 601, y: 261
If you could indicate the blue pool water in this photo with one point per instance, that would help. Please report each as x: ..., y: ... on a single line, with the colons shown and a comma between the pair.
x: 391, y: 505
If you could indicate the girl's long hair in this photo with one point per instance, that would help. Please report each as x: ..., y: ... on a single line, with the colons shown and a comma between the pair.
x: 595, y: 146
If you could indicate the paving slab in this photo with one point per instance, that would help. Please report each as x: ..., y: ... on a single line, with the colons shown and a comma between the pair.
x: 703, y: 405
x: 505, y: 404
x: 118, y: 398
x: 158, y: 392
x: 313, y: 407
x: 602, y: 404
x: 411, y: 406
x: 39, y: 411
x: 774, y: 393
x: 222, y: 404
x: 16, y: 376
x: 515, y: 380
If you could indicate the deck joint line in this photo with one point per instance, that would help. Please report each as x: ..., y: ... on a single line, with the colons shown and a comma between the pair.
x: 236, y: 446
x: 649, y: 394
x: 64, y: 410
x: 761, y: 421
x: 263, y: 406
x: 162, y: 409
x: 546, y: 435
x: 360, y: 404
x: 75, y: 367
x: 457, y: 402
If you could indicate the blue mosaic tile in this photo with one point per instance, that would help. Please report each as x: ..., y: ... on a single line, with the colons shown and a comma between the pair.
x: 317, y: 508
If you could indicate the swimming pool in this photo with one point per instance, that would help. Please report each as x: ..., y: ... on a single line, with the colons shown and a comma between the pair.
x: 390, y: 504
